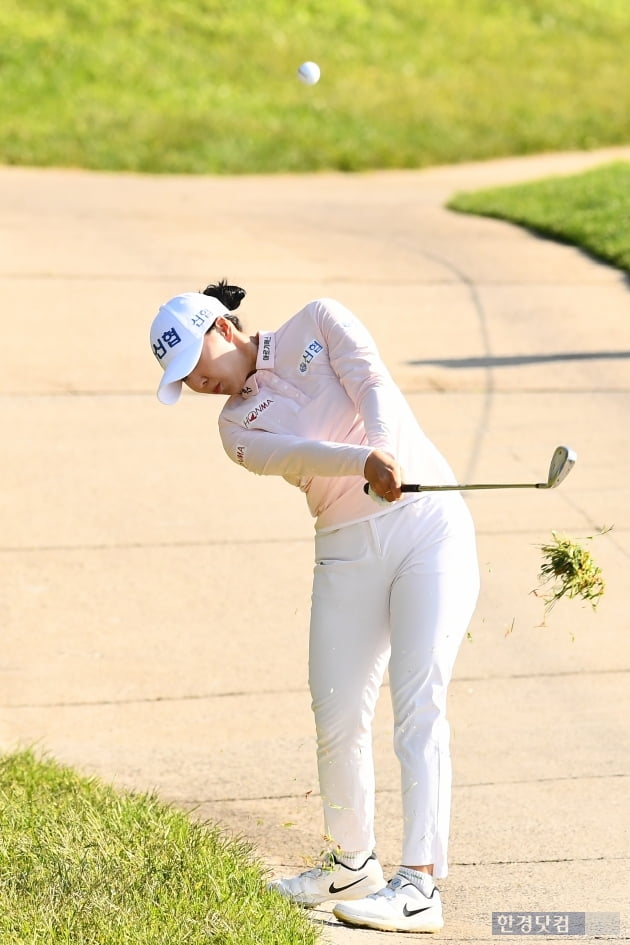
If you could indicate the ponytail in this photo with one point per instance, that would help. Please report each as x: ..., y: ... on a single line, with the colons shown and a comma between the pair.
x: 229, y: 295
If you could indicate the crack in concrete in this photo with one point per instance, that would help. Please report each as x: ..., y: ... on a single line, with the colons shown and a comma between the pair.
x: 240, y: 694
x: 222, y: 543
x: 409, y: 391
x: 196, y: 802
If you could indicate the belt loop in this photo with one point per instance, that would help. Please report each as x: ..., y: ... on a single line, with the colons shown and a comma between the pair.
x: 376, y: 538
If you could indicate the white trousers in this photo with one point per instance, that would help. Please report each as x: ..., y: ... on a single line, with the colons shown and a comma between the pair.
x: 398, y: 590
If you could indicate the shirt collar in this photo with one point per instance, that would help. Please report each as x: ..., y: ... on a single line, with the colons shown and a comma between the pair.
x: 266, y: 350
x: 250, y: 388
x: 265, y: 359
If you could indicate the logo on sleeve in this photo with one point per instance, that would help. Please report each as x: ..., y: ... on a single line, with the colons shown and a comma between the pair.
x: 252, y: 415
x: 310, y: 352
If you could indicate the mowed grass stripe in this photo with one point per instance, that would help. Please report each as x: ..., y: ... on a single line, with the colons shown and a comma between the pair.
x: 210, y: 87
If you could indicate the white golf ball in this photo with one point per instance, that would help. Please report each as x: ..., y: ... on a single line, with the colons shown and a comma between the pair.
x: 309, y: 73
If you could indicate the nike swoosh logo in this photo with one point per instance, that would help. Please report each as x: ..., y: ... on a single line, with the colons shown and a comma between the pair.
x: 332, y: 889
x: 409, y: 912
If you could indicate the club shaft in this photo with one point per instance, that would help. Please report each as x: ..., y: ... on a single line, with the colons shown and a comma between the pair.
x: 561, y: 464
x: 417, y: 487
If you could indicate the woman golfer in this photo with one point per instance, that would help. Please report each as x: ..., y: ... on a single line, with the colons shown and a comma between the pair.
x: 395, y: 583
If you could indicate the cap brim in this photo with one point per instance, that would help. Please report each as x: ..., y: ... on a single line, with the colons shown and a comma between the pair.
x: 170, y: 387
x: 169, y: 393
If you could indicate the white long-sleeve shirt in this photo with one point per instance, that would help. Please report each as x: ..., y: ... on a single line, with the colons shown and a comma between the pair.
x: 320, y: 401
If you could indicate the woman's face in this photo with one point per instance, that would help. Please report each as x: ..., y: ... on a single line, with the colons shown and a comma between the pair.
x: 227, y: 357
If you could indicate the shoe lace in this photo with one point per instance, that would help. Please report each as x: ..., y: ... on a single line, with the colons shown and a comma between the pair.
x: 389, y: 891
x: 313, y: 873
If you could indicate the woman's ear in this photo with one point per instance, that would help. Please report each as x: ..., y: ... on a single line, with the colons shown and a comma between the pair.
x: 225, y: 327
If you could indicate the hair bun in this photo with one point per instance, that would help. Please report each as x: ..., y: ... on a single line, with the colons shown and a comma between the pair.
x: 229, y: 295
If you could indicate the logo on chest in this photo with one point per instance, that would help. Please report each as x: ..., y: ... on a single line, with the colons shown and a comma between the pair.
x: 252, y: 415
x: 310, y: 352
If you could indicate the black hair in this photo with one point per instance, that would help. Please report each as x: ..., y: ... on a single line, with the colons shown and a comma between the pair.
x: 229, y: 295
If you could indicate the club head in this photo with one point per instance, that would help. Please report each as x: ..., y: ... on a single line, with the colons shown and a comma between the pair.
x: 562, y: 462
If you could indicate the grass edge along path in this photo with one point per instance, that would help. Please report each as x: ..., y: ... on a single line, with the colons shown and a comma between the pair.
x: 85, y: 864
x: 590, y: 210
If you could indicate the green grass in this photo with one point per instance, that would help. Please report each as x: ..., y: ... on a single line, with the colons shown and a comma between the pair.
x: 205, y: 86
x: 81, y: 864
x: 590, y: 210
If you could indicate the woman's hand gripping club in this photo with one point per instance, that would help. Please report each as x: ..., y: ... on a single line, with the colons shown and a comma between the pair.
x: 384, y: 476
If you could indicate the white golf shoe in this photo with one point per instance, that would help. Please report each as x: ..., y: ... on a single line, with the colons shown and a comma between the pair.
x: 400, y: 907
x: 332, y: 880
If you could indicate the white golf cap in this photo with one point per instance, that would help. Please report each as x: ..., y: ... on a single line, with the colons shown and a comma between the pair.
x: 177, y: 336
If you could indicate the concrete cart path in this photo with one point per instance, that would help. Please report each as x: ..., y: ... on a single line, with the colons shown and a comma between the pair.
x: 155, y: 597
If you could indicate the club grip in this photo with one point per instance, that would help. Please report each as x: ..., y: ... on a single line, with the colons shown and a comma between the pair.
x: 406, y: 487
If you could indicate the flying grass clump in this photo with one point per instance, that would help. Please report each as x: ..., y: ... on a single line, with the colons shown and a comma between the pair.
x: 569, y: 570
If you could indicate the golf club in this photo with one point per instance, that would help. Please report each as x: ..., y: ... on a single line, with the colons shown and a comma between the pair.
x: 562, y: 462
